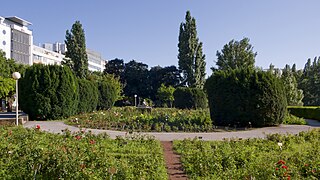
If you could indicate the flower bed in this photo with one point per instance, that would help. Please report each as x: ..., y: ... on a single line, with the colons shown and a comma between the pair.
x: 277, y: 157
x: 33, y: 154
x: 158, y: 119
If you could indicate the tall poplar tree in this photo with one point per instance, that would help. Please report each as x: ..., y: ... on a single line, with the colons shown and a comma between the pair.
x: 191, y: 58
x: 76, y: 55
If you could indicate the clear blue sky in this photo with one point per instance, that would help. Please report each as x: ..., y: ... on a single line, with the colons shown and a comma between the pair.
x: 281, y: 31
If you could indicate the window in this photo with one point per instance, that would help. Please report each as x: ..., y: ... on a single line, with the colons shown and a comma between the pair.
x: 4, y: 43
x: 4, y: 32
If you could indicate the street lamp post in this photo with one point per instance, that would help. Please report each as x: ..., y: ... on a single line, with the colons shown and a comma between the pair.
x: 16, y: 76
x: 135, y: 100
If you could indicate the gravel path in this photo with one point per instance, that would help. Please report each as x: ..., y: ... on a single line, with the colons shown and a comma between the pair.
x: 58, y: 126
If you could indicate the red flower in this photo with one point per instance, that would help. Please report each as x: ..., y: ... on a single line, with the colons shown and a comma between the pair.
x: 277, y: 169
x: 281, y: 162
x: 306, y: 164
x: 92, y: 141
x: 284, y: 167
x: 37, y: 126
x: 78, y: 137
x: 289, y: 178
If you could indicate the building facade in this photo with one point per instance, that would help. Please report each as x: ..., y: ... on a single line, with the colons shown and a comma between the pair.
x: 44, y: 56
x: 95, y: 61
x: 16, y: 39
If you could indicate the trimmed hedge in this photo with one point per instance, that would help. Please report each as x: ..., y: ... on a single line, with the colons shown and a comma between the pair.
x: 48, y: 92
x: 307, y: 112
x: 88, y: 99
x: 190, y: 98
x: 245, y: 97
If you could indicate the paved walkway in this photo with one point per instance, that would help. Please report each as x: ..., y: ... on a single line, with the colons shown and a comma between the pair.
x: 58, y: 126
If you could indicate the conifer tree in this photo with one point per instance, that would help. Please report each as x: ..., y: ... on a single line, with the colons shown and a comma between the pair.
x: 191, y: 58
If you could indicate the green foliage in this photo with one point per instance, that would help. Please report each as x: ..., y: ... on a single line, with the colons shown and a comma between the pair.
x: 236, y: 54
x: 88, y: 96
x: 115, y: 67
x: 191, y: 59
x: 110, y: 90
x: 165, y: 95
x: 307, y: 112
x: 33, y: 154
x: 169, y: 76
x: 7, y: 67
x: 189, y: 98
x: 245, y: 96
x: 6, y: 85
x: 277, y: 157
x: 135, y: 119
x: 48, y: 92
x: 293, y: 94
x: 136, y: 77
x: 76, y: 55
x: 310, y: 84
x: 291, y: 119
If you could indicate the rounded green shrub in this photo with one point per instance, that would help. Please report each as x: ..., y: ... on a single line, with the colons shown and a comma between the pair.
x: 245, y: 97
x: 109, y: 91
x: 48, y: 92
x: 88, y: 99
x: 189, y: 98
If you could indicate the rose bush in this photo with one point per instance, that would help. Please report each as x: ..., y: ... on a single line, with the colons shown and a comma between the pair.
x: 33, y: 154
x: 277, y: 157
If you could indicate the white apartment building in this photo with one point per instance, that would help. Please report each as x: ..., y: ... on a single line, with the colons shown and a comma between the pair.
x: 16, y: 39
x: 95, y: 60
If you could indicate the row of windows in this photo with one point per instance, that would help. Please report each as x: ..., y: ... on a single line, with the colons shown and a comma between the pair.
x: 20, y: 37
x: 21, y: 58
x: 22, y: 48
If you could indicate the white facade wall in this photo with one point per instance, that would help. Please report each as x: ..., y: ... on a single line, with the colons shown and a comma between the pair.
x: 17, y: 38
x: 5, y: 38
x: 95, y: 61
x: 45, y: 56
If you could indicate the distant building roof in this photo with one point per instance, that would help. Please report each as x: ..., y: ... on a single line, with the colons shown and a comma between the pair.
x: 19, y: 20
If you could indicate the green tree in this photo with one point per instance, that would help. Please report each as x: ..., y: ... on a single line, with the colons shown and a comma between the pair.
x: 165, y: 95
x: 115, y: 67
x: 76, y: 55
x: 191, y: 58
x: 169, y: 76
x: 88, y: 99
x: 245, y: 96
x: 309, y: 82
x: 110, y: 90
x: 7, y: 67
x: 236, y: 54
x: 49, y: 92
x: 293, y: 94
x: 136, y: 76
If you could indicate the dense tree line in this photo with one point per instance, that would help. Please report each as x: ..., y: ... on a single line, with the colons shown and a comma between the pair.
x: 308, y: 81
x: 138, y: 79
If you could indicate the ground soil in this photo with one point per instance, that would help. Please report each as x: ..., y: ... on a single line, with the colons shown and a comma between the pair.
x: 173, y: 163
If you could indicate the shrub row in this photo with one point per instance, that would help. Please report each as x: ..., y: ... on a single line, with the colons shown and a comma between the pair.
x: 53, y: 92
x: 307, y: 112
x: 190, y: 98
x: 245, y: 96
